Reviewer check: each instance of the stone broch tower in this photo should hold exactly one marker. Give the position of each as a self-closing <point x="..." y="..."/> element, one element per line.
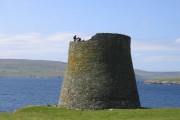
<point x="99" y="74"/>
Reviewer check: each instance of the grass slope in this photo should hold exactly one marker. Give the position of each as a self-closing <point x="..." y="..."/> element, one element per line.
<point x="48" y="113"/>
<point x="31" y="68"/>
<point x="145" y="75"/>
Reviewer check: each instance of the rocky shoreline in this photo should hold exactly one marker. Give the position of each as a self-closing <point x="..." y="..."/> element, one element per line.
<point x="162" y="82"/>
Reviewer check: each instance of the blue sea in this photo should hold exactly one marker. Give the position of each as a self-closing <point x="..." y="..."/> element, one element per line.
<point x="20" y="92"/>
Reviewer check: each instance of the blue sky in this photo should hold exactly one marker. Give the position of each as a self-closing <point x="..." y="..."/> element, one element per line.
<point x="42" y="29"/>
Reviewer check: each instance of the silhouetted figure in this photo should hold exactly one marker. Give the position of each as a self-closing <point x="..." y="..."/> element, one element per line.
<point x="78" y="39"/>
<point x="74" y="38"/>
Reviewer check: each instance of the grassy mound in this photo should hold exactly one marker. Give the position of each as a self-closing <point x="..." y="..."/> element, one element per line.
<point x="53" y="113"/>
<point x="31" y="68"/>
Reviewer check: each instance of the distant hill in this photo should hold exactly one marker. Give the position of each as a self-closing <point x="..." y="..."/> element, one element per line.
<point x="42" y="68"/>
<point x="31" y="68"/>
<point x="144" y="75"/>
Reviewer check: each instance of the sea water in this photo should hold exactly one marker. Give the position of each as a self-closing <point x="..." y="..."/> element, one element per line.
<point x="20" y="92"/>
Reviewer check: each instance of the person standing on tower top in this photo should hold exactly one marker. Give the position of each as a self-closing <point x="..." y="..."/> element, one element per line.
<point x="74" y="38"/>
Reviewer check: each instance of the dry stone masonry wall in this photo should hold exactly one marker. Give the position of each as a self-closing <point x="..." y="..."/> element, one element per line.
<point x="99" y="74"/>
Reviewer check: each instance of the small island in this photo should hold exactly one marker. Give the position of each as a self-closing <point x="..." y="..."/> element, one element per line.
<point x="168" y="81"/>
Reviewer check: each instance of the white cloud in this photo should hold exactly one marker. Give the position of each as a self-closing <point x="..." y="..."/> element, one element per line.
<point x="36" y="46"/>
<point x="177" y="40"/>
<point x="144" y="24"/>
<point x="137" y="55"/>
<point x="157" y="58"/>
<point x="153" y="46"/>
<point x="155" y="55"/>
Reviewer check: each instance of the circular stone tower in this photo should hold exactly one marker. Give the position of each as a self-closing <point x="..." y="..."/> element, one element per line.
<point x="99" y="74"/>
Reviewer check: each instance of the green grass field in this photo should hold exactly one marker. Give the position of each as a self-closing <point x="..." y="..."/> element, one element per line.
<point x="53" y="113"/>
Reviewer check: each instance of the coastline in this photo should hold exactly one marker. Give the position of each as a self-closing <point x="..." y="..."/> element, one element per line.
<point x="167" y="81"/>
